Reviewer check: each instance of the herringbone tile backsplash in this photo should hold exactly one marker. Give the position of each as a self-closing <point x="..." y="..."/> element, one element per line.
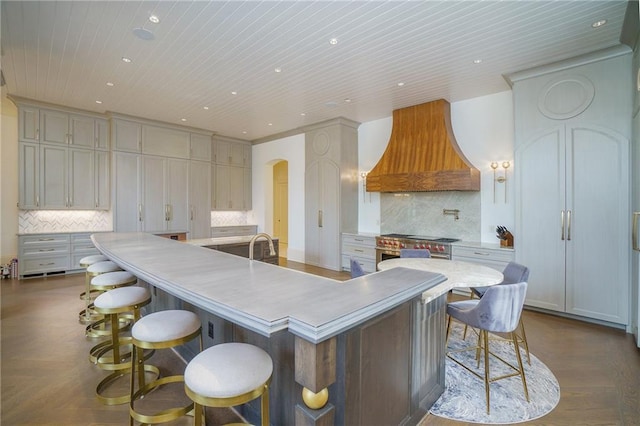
<point x="228" y="218"/>
<point x="44" y="221"/>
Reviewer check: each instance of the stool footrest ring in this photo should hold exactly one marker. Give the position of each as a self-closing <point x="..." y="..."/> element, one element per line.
<point x="111" y="378"/>
<point x="164" y="415"/>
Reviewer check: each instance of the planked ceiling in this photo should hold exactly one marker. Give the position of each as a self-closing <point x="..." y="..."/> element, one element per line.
<point x="65" y="52"/>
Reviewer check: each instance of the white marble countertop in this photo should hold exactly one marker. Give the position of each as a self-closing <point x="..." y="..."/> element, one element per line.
<point x="458" y="273"/>
<point x="259" y="296"/>
<point x="219" y="241"/>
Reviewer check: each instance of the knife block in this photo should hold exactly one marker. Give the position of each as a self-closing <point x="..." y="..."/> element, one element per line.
<point x="508" y="242"/>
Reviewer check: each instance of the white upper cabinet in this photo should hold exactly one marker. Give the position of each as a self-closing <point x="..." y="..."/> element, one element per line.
<point x="28" y="124"/>
<point x="200" y="147"/>
<point x="126" y="135"/>
<point x="54" y="127"/>
<point x="165" y="142"/>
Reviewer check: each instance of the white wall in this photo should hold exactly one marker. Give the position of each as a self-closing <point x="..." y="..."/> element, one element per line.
<point x="8" y="180"/>
<point x="484" y="130"/>
<point x="264" y="156"/>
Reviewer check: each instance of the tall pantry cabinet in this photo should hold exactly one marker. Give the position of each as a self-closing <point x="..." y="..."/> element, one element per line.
<point x="331" y="190"/>
<point x="573" y="127"/>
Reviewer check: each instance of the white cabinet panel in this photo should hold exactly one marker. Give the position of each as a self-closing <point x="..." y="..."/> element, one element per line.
<point x="53" y="177"/>
<point x="54" y="127"/>
<point x="28" y="124"/>
<point x="199" y="199"/>
<point x="177" y="194"/>
<point x="200" y="147"/>
<point x="126" y="181"/>
<point x="29" y="175"/>
<point x="126" y="135"/>
<point x="154" y="212"/>
<point x="101" y="134"/>
<point x="102" y="182"/>
<point x="81" y="179"/>
<point x="165" y="142"/>
<point x="82" y="131"/>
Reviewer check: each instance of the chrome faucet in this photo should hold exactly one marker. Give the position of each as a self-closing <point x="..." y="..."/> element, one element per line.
<point x="272" y="250"/>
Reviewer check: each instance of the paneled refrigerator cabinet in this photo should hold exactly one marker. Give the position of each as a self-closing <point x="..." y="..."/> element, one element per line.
<point x="572" y="186"/>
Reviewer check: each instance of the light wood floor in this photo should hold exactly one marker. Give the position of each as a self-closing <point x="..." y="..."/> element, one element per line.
<point x="48" y="380"/>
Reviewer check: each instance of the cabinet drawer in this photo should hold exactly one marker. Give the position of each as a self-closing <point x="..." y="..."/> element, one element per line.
<point x="495" y="255"/>
<point x="44" y="239"/>
<point x="75" y="257"/>
<point x="233" y="231"/>
<point x="44" y="264"/>
<point x="39" y="250"/>
<point x="359" y="240"/>
<point x="359" y="251"/>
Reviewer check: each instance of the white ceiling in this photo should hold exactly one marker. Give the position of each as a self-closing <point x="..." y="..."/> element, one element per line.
<point x="64" y="52"/>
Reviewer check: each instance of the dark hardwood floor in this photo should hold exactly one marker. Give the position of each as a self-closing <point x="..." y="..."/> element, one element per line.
<point x="48" y="380"/>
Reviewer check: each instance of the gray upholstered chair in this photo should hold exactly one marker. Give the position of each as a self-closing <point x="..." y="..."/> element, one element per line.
<point x="356" y="269"/>
<point x="513" y="273"/>
<point x="422" y="253"/>
<point x="498" y="311"/>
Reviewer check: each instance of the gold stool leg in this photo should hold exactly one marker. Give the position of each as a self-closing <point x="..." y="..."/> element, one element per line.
<point x="264" y="406"/>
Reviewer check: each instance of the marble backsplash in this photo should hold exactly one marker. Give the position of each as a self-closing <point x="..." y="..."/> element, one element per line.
<point x="232" y="218"/>
<point x="45" y="221"/>
<point x="421" y="213"/>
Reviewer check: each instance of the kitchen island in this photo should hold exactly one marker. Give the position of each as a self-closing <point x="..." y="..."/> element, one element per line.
<point x="370" y="342"/>
<point x="239" y="245"/>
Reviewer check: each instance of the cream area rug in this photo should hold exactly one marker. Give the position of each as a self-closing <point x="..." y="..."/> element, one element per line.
<point x="464" y="395"/>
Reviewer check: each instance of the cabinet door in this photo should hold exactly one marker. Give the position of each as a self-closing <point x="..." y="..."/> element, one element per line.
<point x="102" y="185"/>
<point x="539" y="245"/>
<point x="29" y="172"/>
<point x="82" y="131"/>
<point x="81" y="179"/>
<point x="236" y="188"/>
<point x="230" y="153"/>
<point x="247" y="188"/>
<point x="154" y="209"/>
<point x="165" y="142"/>
<point x="200" y="147"/>
<point x="53" y="177"/>
<point x="127" y="206"/>
<point x="101" y="135"/>
<point x="200" y="199"/>
<point x="322" y="228"/>
<point x="127" y="135"/>
<point x="222" y="196"/>
<point x="54" y="127"/>
<point x="29" y="124"/>
<point x="177" y="194"/>
<point x="598" y="199"/>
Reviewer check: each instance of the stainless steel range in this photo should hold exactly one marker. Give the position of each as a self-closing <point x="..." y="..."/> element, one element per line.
<point x="388" y="245"/>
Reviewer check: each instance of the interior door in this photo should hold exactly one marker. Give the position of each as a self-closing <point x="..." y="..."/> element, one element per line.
<point x="281" y="204"/>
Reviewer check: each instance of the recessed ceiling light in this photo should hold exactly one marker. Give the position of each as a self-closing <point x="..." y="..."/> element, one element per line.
<point x="205" y="107"/>
<point x="400" y="84"/>
<point x="278" y="69"/>
<point x="347" y="100"/>
<point x="234" y="93"/>
<point x="125" y="59"/>
<point x="303" y="114"/>
<point x="477" y="61"/>
<point x="333" y="41"/>
<point x="244" y="132"/>
<point x="110" y="84"/>
<point x="599" y="23"/>
<point x="154" y="19"/>
<point x="183" y="119"/>
<point x="98" y="102"/>
<point x="270" y="124"/>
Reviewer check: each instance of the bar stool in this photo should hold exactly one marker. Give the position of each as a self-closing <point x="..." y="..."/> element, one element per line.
<point x="112" y="304"/>
<point x="229" y="374"/>
<point x="105" y="282"/>
<point x="159" y="330"/>
<point x="93" y="270"/>
<point x="85" y="262"/>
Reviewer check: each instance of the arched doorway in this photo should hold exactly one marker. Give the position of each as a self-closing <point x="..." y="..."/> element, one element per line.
<point x="281" y="205"/>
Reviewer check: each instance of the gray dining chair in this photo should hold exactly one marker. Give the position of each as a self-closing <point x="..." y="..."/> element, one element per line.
<point x="356" y="269"/>
<point x="513" y="273"/>
<point x="418" y="253"/>
<point x="498" y="311"/>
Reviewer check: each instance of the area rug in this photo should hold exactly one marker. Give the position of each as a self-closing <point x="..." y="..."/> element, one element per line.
<point x="464" y="395"/>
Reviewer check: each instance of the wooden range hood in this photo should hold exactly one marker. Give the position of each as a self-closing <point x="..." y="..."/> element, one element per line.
<point x="422" y="154"/>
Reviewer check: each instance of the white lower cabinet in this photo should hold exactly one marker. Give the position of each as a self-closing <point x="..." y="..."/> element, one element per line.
<point x="361" y="248"/>
<point x="49" y="254"/>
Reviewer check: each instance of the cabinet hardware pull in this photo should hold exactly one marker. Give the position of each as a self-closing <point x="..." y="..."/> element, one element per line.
<point x="358" y="240"/>
<point x="191" y="212"/>
<point x="37" y="201"/>
<point x="319" y="218"/>
<point x="46" y="249"/>
<point x="634" y="229"/>
<point x="140" y="212"/>
<point x="562" y="225"/>
<point x="481" y="254"/>
<point x="45" y="239"/>
<point x="359" y="250"/>
<point x="37" y="134"/>
<point x="568" y="225"/>
<point x="47" y="264"/>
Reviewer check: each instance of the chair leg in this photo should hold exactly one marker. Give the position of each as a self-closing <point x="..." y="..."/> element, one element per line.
<point x="446" y="341"/>
<point x="264" y="409"/>
<point x="464" y="333"/>
<point x="514" y="337"/>
<point x="485" y="338"/>
<point x="197" y="414"/>
<point x="523" y="337"/>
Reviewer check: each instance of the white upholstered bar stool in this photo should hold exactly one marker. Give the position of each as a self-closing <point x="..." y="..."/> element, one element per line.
<point x="112" y="304"/>
<point x="227" y="375"/>
<point x="84" y="317"/>
<point x="92" y="271"/>
<point x="159" y="330"/>
<point x="102" y="283"/>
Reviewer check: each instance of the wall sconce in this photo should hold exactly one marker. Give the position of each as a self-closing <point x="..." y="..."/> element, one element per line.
<point x="500" y="179"/>
<point x="363" y="175"/>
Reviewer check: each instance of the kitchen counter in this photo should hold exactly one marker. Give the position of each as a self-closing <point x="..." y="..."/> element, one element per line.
<point x="312" y="326"/>
<point x="219" y="241"/>
<point x="481" y="245"/>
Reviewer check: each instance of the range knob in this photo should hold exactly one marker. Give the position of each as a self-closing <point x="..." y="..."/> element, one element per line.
<point x="441" y="248"/>
<point x="427" y="246"/>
